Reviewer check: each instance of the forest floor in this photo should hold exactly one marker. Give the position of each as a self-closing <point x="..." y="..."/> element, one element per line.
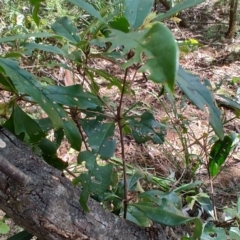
<point x="215" y="58"/>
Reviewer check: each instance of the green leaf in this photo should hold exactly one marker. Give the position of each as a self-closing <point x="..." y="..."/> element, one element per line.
<point x="133" y="180"/>
<point x="137" y="216"/>
<point x="201" y="96"/>
<point x="159" y="47"/>
<point x="185" y="4"/>
<point x="120" y="23"/>
<point x="136" y="11"/>
<point x="162" y="55"/>
<point x="167" y="214"/>
<point x="234" y="232"/>
<point x="4" y="228"/>
<point x="219" y="152"/>
<point x="88" y="8"/>
<point x="210" y="232"/>
<point x="49" y="154"/>
<point x="157" y="197"/>
<point x="24" y="124"/>
<point x="26" y="36"/>
<point x="36" y="6"/>
<point x="24" y="235"/>
<point x="187" y="186"/>
<point x="227" y="101"/>
<point x="73" y="96"/>
<point x="100" y="137"/>
<point x="64" y="28"/>
<point x="27" y="83"/>
<point x="46" y="48"/>
<point x="145" y="128"/>
<point x="45" y="124"/>
<point x="7" y="83"/>
<point x="97" y="180"/>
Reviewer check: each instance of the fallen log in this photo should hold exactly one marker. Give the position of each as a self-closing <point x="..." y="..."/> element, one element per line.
<point x="44" y="202"/>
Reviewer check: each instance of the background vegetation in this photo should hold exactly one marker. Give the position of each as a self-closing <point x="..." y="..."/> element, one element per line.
<point x="96" y="89"/>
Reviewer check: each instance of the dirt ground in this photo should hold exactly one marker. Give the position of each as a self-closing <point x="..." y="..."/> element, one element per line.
<point x="215" y="58"/>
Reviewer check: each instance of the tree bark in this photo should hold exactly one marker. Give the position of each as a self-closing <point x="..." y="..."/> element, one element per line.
<point x="232" y="18"/>
<point x="44" y="202"/>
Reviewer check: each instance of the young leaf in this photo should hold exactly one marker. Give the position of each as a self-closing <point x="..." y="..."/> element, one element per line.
<point x="201" y="96"/>
<point x="159" y="47"/>
<point x="136" y="11"/>
<point x="27" y="83"/>
<point x="64" y="28"/>
<point x="219" y="152"/>
<point x="145" y="128"/>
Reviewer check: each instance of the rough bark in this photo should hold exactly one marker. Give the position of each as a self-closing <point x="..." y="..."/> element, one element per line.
<point x="43" y="201"/>
<point x="232" y="18"/>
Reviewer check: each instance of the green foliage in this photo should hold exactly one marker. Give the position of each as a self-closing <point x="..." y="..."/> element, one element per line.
<point x="24" y="235"/>
<point x="131" y="37"/>
<point x="219" y="152"/>
<point x="4" y="228"/>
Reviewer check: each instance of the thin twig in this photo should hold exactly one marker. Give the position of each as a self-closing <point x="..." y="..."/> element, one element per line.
<point x="119" y="122"/>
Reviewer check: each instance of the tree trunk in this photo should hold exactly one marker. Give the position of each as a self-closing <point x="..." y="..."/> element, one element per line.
<point x="232" y="18"/>
<point x="44" y="202"/>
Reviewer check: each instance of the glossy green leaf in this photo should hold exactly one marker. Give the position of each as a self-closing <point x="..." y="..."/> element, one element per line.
<point x="45" y="124"/>
<point x="7" y="83"/>
<point x="97" y="180"/>
<point x="24" y="124"/>
<point x="26" y="36"/>
<point x="146" y="128"/>
<point x="47" y="48"/>
<point x="133" y="180"/>
<point x="201" y="96"/>
<point x="13" y="55"/>
<point x="64" y="28"/>
<point x="219" y="152"/>
<point x="136" y="11"/>
<point x="100" y="137"/>
<point x="162" y="61"/>
<point x="28" y="84"/>
<point x="24" y="235"/>
<point x="182" y="5"/>
<point x="166" y="214"/>
<point x="137" y="216"/>
<point x="88" y="8"/>
<point x="72" y="96"/>
<point x="4" y="228"/>
<point x="120" y="23"/>
<point x="36" y="6"/>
